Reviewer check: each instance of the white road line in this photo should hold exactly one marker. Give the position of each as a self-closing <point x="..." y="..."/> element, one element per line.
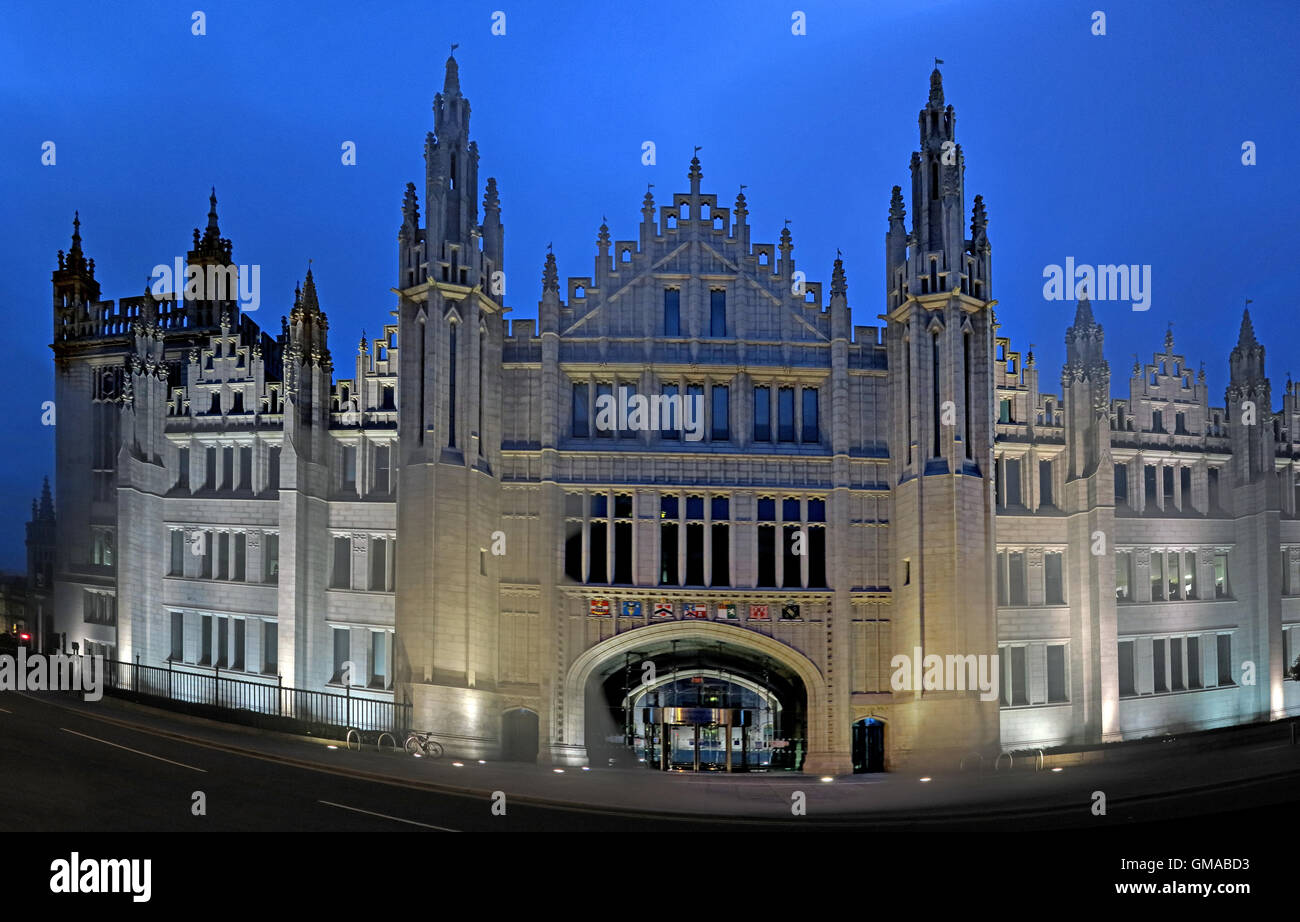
<point x="136" y="751"/>
<point x="2" y="710"/>
<point x="385" y="816"/>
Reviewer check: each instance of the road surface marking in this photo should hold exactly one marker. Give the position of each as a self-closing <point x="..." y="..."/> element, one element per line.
<point x="136" y="751"/>
<point x="385" y="816"/>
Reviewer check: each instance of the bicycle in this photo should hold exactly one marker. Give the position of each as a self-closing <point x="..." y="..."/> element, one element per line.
<point x="418" y="743"/>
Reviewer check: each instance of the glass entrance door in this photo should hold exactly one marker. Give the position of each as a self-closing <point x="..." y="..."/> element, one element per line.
<point x="682" y="751"/>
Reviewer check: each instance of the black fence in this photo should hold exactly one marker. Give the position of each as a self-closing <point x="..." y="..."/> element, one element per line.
<point x="265" y="703"/>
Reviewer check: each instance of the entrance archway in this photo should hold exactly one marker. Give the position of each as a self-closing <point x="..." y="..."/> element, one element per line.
<point x="519" y="735"/>
<point x="868" y="745"/>
<point x="603" y="716"/>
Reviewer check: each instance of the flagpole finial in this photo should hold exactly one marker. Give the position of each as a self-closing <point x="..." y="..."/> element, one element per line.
<point x="937" y="62"/>
<point x="454" y="46"/>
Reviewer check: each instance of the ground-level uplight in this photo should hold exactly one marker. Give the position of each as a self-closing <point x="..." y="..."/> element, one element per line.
<point x="558" y="771"/>
<point x="586" y="768"/>
<point x="827" y="778"/>
<point x="925" y="779"/>
<point x="331" y="746"/>
<point x="458" y="764"/>
<point x="1058" y="769"/>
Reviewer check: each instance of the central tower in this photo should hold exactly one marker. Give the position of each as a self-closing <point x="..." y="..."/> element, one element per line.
<point x="940" y="341"/>
<point x="450" y="316"/>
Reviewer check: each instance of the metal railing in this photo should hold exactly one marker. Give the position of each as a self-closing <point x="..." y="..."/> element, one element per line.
<point x="259" y="701"/>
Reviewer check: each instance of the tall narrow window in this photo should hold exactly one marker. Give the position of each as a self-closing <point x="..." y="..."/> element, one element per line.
<point x="382" y="455"/>
<point x="183" y="468"/>
<point x="767" y="549"/>
<point x="1224" y="650"/>
<point x="178" y="635"/>
<point x="1157" y="576"/>
<point x="1159" y="681"/>
<point x="246" y="467"/>
<point x="622" y="538"/>
<point x="451" y="385"/>
<point x="176" y="566"/>
<point x="907" y="392"/>
<point x="1176" y="664"/>
<point x="966" y="393"/>
<point x="223" y="642"/>
<point x="379" y="565"/>
<point x="1127" y="686"/>
<point x="762" y="414"/>
<point x="1121" y="484"/>
<point x="350" y="468"/>
<point x="785" y="414"/>
<point x="1016" y="575"/>
<point x="1056" y="673"/>
<point x="1019" y="685"/>
<point x="598" y="546"/>
<point x="606" y="420"/>
<point x="1123" y="576"/>
<point x="694" y="541"/>
<point x="720" y="541"/>
<point x="1221" y="587"/>
<point x="811" y="430"/>
<point x="1194" y="679"/>
<point x="1013" y="497"/>
<point x="378" y="659"/>
<point x="205" y="642"/>
<point x="1054" y="587"/>
<point x="626" y="394"/>
<point x="241" y="545"/>
<point x="423" y="384"/>
<point x="717" y="312"/>
<point x="271" y="561"/>
<point x="1189" y="574"/>
<point x="721" y="428"/>
<point x="670" y="415"/>
<point x="668" y="531"/>
<point x="228" y="467"/>
<point x="237" y="651"/>
<point x="934" y="387"/>
<point x="342" y="652"/>
<point x="672" y="312"/>
<point x="1045" y="483"/>
<point x="342" y="563"/>
<point x="580" y="430"/>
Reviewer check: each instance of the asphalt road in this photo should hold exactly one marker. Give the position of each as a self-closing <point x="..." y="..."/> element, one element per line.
<point x="82" y="769"/>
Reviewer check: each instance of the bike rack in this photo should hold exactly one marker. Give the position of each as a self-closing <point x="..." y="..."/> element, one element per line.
<point x="1010" y="760"/>
<point x="379" y="745"/>
<point x="962" y="764"/>
<point x="1038" y="765"/>
<point x="352" y="730"/>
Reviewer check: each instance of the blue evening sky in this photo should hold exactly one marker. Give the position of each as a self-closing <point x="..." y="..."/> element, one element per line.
<point x="1123" y="148"/>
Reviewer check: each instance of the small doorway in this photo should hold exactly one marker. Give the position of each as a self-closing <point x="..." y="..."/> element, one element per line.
<point x="868" y="745"/>
<point x="519" y="736"/>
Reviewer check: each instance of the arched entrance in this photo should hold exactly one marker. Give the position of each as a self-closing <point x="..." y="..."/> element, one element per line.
<point x="869" y="745"/>
<point x="519" y="735"/>
<point x="688" y="696"/>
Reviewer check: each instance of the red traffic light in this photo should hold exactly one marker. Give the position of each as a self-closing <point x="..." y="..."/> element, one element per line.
<point x="24" y="637"/>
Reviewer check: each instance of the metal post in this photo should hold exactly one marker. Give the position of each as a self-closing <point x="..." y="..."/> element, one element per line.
<point x="135" y="679"/>
<point x="216" y="686"/>
<point x="170" y="693"/>
<point x="727" y="727"/>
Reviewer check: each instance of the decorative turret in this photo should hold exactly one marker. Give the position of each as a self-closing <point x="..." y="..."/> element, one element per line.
<point x="1249" y="407"/>
<point x="494" y="232"/>
<point x="74" y="282"/>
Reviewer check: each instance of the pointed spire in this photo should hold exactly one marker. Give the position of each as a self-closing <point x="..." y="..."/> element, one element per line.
<point x="213" y="229"/>
<point x="897" y="211"/>
<point x="550" y="275"/>
<point x="1246" y="337"/>
<point x="309" y="302"/>
<point x="936" y="85"/>
<point x="695" y="174"/>
<point x="47" y="502"/>
<point x="742" y="209"/>
<point x="602" y="238"/>
<point x="839" y="285"/>
<point x="1083" y="313"/>
<point x="786" y="244"/>
<point x="1169" y="339"/>
<point x="451" y="82"/>
<point x="491" y="198"/>
<point x="76" y="259"/>
<point x="979" y="219"/>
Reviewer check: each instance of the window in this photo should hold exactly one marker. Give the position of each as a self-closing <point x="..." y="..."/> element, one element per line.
<point x="223" y="555"/>
<point x="1224" y="644"/>
<point x="379" y="565"/>
<point x="671" y="418"/>
<point x="228" y="467"/>
<point x="273" y="469"/>
<point x="246" y="467"/>
<point x="342" y="577"/>
<point x="1194" y="662"/>
<point x="178" y="637"/>
<point x="810" y="427"/>
<point x="1004" y="410"/>
<point x="223" y="642"/>
<point x="270" y="647"/>
<point x="1157" y="419"/>
<point x="1013" y="497"/>
<point x="342" y="654"/>
<point x="1157" y="576"/>
<point x="1016" y="576"/>
<point x="1124" y="576"/>
<point x="721" y="429"/>
<point x="672" y="312"/>
<point x="350" y="468"/>
<point x="1121" y="484"/>
<point x="1173" y="562"/>
<point x="1221" y="588"/>
<point x="383" y="455"/>
<point x="1019" y="686"/>
<point x="626" y="396"/>
<point x="1126" y="684"/>
<point x="720" y="513"/>
<point x="271" y="560"/>
<point x="378" y="659"/>
<point x="451" y="385"/>
<point x="241" y="545"/>
<point x="1159" y="682"/>
<point x="767" y="549"/>
<point x="176" y="560"/>
<point x="580" y="430"/>
<point x="1176" y="664"/>
<point x="694" y="541"/>
<point x="1056" y="674"/>
<point x="1185" y="482"/>
<point x="762" y="414"/>
<point x="183" y="468"/>
<point x="604" y="398"/>
<point x="668" y="532"/>
<point x="237" y="658"/>
<point x="205" y="645"/>
<point x="785" y="412"/>
<point x="1052" y="576"/>
<point x="210" y="468"/>
<point x="717" y="312"/>
<point x="1189" y="575"/>
<point x="623" y="538"/>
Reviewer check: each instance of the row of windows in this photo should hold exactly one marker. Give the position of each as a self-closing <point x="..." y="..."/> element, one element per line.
<point x="1159" y="665"/>
<point x="695" y="550"/>
<point x="1010" y="489"/>
<point x="222" y="641"/>
<point x="221" y="555"/>
<point x="229" y="468"/>
<point x="1033" y="673"/>
<point x="1013" y="578"/>
<point x="375" y="672"/>
<point x="619" y="413"/>
<point x="672" y="319"/>
<point x="98" y="607"/>
<point x="1173" y="576"/>
<point x="1158" y="487"/>
<point x="380" y="570"/>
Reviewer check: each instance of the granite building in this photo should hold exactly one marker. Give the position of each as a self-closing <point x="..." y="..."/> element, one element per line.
<point x="480" y="520"/>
